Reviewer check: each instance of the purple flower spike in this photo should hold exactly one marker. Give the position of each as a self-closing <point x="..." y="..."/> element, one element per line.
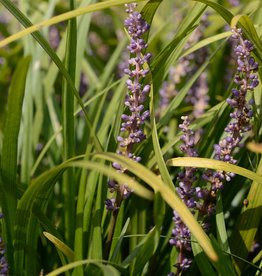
<point x="246" y="80"/>
<point x="136" y="96"/>
<point x="185" y="190"/>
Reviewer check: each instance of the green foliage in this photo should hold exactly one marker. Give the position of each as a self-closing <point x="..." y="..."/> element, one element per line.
<point x="62" y="97"/>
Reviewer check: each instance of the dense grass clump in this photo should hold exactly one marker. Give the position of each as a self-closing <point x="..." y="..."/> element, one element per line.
<point x="130" y="137"/>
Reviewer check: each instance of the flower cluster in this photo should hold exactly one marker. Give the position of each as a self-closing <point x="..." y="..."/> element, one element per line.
<point x="204" y="199"/>
<point x="3" y="263"/>
<point x="239" y="125"/>
<point x="185" y="190"/>
<point x="136" y="96"/>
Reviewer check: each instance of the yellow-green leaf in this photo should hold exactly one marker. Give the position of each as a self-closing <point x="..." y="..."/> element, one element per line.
<point x="255" y="147"/>
<point x="171" y="197"/>
<point x="60" y="245"/>
<point x="64" y="17"/>
<point x="213" y="164"/>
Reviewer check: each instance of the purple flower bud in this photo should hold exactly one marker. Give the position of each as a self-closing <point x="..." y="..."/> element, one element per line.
<point x="125" y="117"/>
<point x="251" y="102"/>
<point x="120" y="139"/>
<point x="227" y="158"/>
<point x="111" y="184"/>
<point x="138" y="159"/>
<point x="110" y="204"/>
<point x="116" y="165"/>
<point x="146" y="89"/>
<point x="140" y="107"/>
<point x="250" y="114"/>
<point x="235" y="92"/>
<point x="145" y="115"/>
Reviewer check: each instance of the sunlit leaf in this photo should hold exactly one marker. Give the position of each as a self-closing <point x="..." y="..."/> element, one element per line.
<point x="60" y="245"/>
<point x="213" y="164"/>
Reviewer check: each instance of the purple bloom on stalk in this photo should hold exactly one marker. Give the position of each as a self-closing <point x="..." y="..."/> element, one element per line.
<point x="185" y="190"/>
<point x="3" y="263"/>
<point x="136" y="96"/>
<point x="239" y="125"/>
<point x="242" y="114"/>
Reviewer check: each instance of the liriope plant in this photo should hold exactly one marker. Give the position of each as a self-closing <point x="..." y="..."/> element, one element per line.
<point x="73" y="129"/>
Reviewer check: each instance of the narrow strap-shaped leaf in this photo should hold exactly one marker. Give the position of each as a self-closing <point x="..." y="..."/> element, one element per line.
<point x="222" y="233"/>
<point x="12" y="126"/>
<point x="220" y="225"/>
<point x="60" y="245"/>
<point x="65" y="268"/>
<point x="9" y="149"/>
<point x="223" y="267"/>
<point x="83" y="25"/>
<point x="201" y="259"/>
<point x="68" y="125"/>
<point x="49" y="227"/>
<point x="163" y="61"/>
<point x="39" y="190"/>
<point x="59" y="18"/>
<point x="255" y="147"/>
<point x="172" y="199"/>
<point x="244" y="234"/>
<point x="148" y="13"/>
<point x="245" y="24"/>
<point x="44" y="44"/>
<point x="119" y="242"/>
<point x="159" y="157"/>
<point x="96" y="243"/>
<point x="213" y="164"/>
<point x="205" y="42"/>
<point x="147" y="250"/>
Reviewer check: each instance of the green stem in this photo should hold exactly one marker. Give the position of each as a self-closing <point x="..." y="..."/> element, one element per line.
<point x="69" y="130"/>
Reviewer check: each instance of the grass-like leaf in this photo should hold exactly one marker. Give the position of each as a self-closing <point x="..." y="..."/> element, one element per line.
<point x="44" y="44"/>
<point x="213" y="164"/>
<point x="109" y="271"/>
<point x="9" y="150"/>
<point x="164" y="60"/>
<point x="201" y="260"/>
<point x="68" y="126"/>
<point x="245" y="23"/>
<point x="251" y="215"/>
<point x="172" y="199"/>
<point x="61" y="17"/>
<point x="39" y="191"/>
<point x="255" y="147"/>
<point x="60" y="245"/>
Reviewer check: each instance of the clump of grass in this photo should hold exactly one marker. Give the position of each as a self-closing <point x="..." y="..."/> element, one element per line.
<point x="65" y="101"/>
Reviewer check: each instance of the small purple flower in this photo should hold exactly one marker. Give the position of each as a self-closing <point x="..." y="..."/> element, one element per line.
<point x="110" y="204"/>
